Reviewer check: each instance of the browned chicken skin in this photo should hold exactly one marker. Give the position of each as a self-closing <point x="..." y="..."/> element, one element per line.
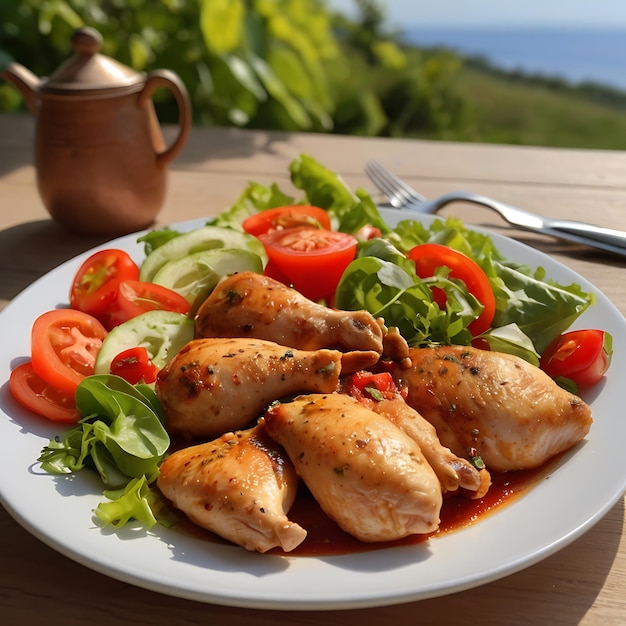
<point x="216" y="385"/>
<point x="496" y="405"/>
<point x="455" y="474"/>
<point x="253" y="305"/>
<point x="379" y="468"/>
<point x="365" y="473"/>
<point x="240" y="486"/>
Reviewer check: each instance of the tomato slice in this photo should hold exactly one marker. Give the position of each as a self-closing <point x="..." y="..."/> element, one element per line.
<point x="273" y="272"/>
<point x="64" y="345"/>
<point x="34" y="393"/>
<point x="281" y="218"/>
<point x="134" y="366"/>
<point x="90" y="291"/>
<point x="312" y="259"/>
<point x="583" y="356"/>
<point x="375" y="386"/>
<point x="429" y="256"/>
<point x="134" y="297"/>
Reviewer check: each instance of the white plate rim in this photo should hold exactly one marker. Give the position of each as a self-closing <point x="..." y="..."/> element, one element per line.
<point x="173" y="563"/>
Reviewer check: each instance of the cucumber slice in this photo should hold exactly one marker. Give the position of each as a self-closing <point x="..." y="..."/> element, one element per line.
<point x="194" y="276"/>
<point x="161" y="333"/>
<point x="205" y="238"/>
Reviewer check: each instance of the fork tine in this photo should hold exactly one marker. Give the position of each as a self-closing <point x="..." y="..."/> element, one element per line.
<point x="398" y="192"/>
<point x="383" y="184"/>
<point x="395" y="184"/>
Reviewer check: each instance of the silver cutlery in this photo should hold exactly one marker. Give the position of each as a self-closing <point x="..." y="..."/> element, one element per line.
<point x="401" y="195"/>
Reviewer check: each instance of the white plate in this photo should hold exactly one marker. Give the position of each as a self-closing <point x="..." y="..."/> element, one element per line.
<point x="59" y="510"/>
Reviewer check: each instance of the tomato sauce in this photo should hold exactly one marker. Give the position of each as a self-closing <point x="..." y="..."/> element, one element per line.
<point x="325" y="538"/>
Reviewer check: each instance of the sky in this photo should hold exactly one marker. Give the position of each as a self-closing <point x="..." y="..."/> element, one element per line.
<point x="402" y="13"/>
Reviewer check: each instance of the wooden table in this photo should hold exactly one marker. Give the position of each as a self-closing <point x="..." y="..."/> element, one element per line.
<point x="584" y="583"/>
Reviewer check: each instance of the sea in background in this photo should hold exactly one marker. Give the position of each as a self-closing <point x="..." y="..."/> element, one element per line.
<point x="572" y="54"/>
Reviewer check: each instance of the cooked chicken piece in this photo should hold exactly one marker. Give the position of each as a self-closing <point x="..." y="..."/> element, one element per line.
<point x="494" y="405"/>
<point x="216" y="385"/>
<point x="240" y="486"/>
<point x="252" y="305"/>
<point x="365" y="473"/>
<point x="455" y="474"/>
<point x="395" y="347"/>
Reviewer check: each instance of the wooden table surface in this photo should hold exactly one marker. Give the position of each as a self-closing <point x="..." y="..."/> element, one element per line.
<point x="585" y="583"/>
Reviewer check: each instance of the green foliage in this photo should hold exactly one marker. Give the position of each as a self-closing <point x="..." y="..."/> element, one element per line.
<point x="393" y="90"/>
<point x="294" y="65"/>
<point x="277" y="64"/>
<point x="540" y="111"/>
<point x="250" y="63"/>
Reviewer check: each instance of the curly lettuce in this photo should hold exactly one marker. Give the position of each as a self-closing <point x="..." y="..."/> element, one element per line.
<point x="349" y="211"/>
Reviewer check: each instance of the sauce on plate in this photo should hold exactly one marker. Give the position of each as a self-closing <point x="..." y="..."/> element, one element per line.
<point x="325" y="538"/>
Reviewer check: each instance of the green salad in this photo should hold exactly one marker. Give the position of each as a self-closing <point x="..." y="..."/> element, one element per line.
<point x="121" y="435"/>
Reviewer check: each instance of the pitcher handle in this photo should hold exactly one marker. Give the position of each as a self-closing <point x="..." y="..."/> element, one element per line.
<point x="169" y="80"/>
<point x="24" y="81"/>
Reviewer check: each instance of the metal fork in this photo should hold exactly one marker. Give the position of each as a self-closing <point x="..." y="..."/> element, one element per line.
<point x="402" y="196"/>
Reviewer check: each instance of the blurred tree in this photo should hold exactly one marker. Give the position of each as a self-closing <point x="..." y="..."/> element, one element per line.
<point x="241" y="60"/>
<point x="283" y="64"/>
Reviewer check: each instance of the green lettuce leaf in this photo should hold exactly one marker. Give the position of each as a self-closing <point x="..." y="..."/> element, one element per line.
<point x="254" y="198"/>
<point x="542" y="309"/>
<point x="537" y="308"/>
<point x="121" y="434"/>
<point x="512" y="340"/>
<point x="137" y="501"/>
<point x="156" y="238"/>
<point x="325" y="189"/>
<point x="320" y="187"/>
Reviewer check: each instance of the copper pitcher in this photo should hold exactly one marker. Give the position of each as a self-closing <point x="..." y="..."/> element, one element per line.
<point x="100" y="157"/>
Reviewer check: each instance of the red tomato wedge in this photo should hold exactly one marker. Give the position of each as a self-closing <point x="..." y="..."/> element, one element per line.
<point x="35" y="394"/>
<point x="281" y="218"/>
<point x="377" y="386"/>
<point x="134" y="366"/>
<point x="312" y="259"/>
<point x="429" y="256"/>
<point x="583" y="356"/>
<point x="134" y="297"/>
<point x="64" y="345"/>
<point x="273" y="272"/>
<point x="91" y="288"/>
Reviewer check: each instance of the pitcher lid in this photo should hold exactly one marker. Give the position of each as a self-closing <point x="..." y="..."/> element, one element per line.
<point x="88" y="70"/>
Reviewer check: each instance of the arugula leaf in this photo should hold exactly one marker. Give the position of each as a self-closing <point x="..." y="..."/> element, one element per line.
<point x="541" y="309"/>
<point x="405" y="301"/>
<point x="386" y="250"/>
